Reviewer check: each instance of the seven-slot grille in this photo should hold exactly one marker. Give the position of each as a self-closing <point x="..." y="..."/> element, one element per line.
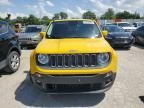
<point x="72" y="61"/>
<point x="25" y="39"/>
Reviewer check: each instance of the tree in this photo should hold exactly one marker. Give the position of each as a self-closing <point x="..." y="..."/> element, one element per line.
<point x="25" y="21"/>
<point x="136" y="15"/>
<point x="19" y="19"/>
<point x="56" y="16"/>
<point x="63" y="15"/>
<point x="1" y="18"/>
<point x="89" y="15"/>
<point x="127" y="15"/>
<point x="33" y="20"/>
<point x="109" y="14"/>
<point x="45" y="20"/>
<point x="123" y="15"/>
<point x="8" y="18"/>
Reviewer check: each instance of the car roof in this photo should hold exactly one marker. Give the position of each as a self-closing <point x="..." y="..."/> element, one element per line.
<point x="139" y="22"/>
<point x="110" y="26"/>
<point x="35" y="26"/>
<point x="72" y="20"/>
<point x="121" y="22"/>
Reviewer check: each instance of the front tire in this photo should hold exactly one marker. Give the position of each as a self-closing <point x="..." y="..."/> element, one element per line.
<point x="13" y="62"/>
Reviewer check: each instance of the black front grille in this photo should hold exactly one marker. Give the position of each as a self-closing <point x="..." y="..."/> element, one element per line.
<point x="25" y="39"/>
<point x="71" y="61"/>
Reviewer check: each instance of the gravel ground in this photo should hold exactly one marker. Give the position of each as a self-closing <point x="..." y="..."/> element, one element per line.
<point x="17" y="92"/>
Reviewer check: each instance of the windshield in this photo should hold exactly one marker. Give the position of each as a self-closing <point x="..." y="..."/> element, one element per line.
<point x="33" y="29"/>
<point x="73" y="29"/>
<point x="114" y="29"/>
<point x="124" y="24"/>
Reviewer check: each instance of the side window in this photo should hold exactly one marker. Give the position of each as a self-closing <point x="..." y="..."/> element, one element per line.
<point x="3" y="27"/>
<point x="50" y="30"/>
<point x="11" y="29"/>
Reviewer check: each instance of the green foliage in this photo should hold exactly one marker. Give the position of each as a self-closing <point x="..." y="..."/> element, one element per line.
<point x="8" y="17"/>
<point x="33" y="20"/>
<point x="1" y="18"/>
<point x="109" y="14"/>
<point x="63" y="15"/>
<point x="127" y="15"/>
<point x="45" y="20"/>
<point x="89" y="15"/>
<point x="24" y="21"/>
<point x="56" y="16"/>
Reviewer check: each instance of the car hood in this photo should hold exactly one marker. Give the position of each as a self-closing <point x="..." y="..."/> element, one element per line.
<point x="28" y="35"/>
<point x="68" y="46"/>
<point x="119" y="34"/>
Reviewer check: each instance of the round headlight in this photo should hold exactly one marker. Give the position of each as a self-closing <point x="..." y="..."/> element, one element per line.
<point x="103" y="58"/>
<point x="43" y="59"/>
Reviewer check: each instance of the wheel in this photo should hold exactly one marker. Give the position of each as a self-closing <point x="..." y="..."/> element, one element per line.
<point x="13" y="62"/>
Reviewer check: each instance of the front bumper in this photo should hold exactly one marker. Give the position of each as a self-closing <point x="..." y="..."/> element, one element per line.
<point x="28" y="43"/>
<point x="121" y="43"/>
<point x="74" y="83"/>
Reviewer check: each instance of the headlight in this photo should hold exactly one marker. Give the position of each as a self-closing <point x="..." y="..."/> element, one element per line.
<point x="36" y="36"/>
<point x="103" y="59"/>
<point x="43" y="59"/>
<point x="131" y="37"/>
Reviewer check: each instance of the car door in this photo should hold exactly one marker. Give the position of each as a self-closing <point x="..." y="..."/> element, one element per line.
<point x="140" y="32"/>
<point x="3" y="40"/>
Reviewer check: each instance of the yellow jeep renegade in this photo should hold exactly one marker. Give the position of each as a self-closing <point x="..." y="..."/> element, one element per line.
<point x="73" y="56"/>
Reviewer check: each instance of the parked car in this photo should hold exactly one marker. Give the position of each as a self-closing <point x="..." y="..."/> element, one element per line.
<point x="138" y="24"/>
<point x="139" y="35"/>
<point x="30" y="38"/>
<point x="117" y="37"/>
<point x="126" y="26"/>
<point x="9" y="49"/>
<point x="73" y="56"/>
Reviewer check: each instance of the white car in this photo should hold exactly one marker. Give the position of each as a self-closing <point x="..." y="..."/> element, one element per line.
<point x="126" y="26"/>
<point x="138" y="24"/>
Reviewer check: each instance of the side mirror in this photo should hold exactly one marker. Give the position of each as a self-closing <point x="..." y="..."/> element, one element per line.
<point x="42" y="34"/>
<point x="104" y="33"/>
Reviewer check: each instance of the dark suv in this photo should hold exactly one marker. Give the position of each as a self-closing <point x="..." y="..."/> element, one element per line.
<point x="9" y="49"/>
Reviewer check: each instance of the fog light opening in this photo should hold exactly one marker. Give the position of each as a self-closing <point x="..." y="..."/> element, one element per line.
<point x="38" y="75"/>
<point x="108" y="74"/>
<point x="39" y="82"/>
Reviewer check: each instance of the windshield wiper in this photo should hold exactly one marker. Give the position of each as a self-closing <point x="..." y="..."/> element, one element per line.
<point x="54" y="37"/>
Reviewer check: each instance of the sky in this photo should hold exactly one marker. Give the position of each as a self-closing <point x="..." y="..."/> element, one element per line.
<point x="74" y="8"/>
